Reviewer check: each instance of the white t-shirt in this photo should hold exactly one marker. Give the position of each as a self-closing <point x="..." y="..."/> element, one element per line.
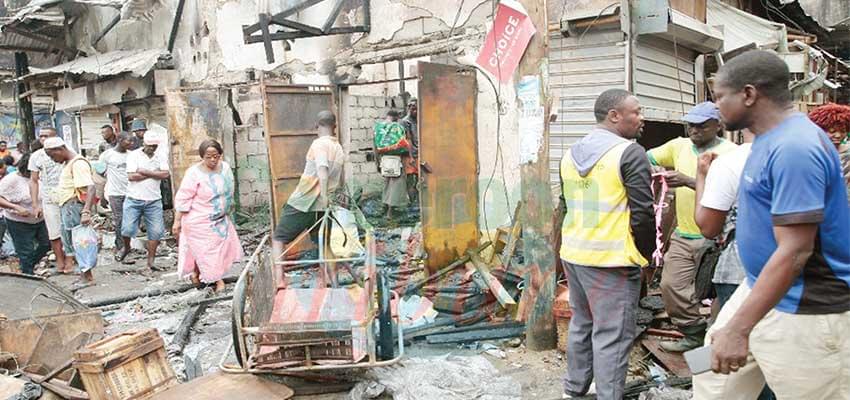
<point x="147" y="189"/>
<point x="324" y="152"/>
<point x="48" y="175"/>
<point x="721" y="183"/>
<point x="116" y="172"/>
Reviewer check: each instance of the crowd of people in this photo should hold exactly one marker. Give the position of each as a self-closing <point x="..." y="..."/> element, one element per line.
<point x="46" y="194"/>
<point x="775" y="206"/>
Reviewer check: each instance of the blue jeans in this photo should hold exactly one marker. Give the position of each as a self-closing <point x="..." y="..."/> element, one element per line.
<point x="151" y="211"/>
<point x="71" y="213"/>
<point x="31" y="243"/>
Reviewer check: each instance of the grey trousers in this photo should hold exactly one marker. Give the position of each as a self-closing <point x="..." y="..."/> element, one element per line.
<point x="116" y="204"/>
<point x="604" y="303"/>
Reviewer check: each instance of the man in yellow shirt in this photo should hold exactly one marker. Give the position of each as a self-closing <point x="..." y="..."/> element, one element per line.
<point x="75" y="196"/>
<point x="686" y="243"/>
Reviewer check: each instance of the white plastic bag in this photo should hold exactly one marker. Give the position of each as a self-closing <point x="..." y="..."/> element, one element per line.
<point x="84" y="240"/>
<point x="345" y="240"/>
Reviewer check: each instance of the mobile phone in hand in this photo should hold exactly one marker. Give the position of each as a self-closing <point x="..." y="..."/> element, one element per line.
<point x="699" y="359"/>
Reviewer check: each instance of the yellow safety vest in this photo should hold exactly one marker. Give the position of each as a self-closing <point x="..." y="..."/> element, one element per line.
<point x="596" y="230"/>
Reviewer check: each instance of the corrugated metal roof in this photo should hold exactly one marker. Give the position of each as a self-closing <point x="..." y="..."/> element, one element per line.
<point x="136" y="62"/>
<point x="741" y="28"/>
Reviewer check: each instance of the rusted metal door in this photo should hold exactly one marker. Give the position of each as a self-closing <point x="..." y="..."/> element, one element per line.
<point x="195" y="115"/>
<point x="290" y="123"/>
<point x="448" y="145"/>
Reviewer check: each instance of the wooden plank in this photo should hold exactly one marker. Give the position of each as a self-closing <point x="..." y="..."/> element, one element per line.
<point x="413" y="287"/>
<point x="219" y="385"/>
<point x="448" y="144"/>
<point x="62" y="388"/>
<point x="502" y="296"/>
<point x="513" y="240"/>
<point x="674" y="362"/>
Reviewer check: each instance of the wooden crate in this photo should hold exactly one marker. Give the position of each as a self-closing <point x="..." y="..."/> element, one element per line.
<point x="129" y="366"/>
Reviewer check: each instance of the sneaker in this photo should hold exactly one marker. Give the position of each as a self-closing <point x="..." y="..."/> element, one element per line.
<point x="694" y="338"/>
<point x="590" y="390"/>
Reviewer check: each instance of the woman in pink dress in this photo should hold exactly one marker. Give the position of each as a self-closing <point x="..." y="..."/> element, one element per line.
<point x="208" y="244"/>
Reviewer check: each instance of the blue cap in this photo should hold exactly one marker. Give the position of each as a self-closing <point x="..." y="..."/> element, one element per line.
<point x="702" y="112"/>
<point x="138" y="125"/>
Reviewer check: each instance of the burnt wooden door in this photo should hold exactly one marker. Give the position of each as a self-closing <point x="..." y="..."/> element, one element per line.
<point x="290" y="125"/>
<point x="448" y="144"/>
<point x="195" y="115"/>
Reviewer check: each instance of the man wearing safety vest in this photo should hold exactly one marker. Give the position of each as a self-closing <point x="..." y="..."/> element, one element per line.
<point x="687" y="243"/>
<point x="607" y="236"/>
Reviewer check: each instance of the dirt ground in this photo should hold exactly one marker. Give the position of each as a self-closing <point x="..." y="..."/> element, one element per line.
<point x="538" y="373"/>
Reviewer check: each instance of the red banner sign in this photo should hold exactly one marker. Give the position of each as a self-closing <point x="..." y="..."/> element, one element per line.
<point x="506" y="42"/>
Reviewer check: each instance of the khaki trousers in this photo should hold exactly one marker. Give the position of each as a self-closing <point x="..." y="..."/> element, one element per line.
<point x="799" y="356"/>
<point x="677" y="280"/>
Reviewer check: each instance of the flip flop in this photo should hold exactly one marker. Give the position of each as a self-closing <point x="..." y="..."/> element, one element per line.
<point x="159" y="269"/>
<point x="79" y="285"/>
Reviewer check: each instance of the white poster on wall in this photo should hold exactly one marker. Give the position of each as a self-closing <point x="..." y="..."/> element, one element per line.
<point x="531" y="119"/>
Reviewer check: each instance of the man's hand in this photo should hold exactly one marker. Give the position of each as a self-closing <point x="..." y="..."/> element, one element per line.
<point x="729" y="349"/>
<point x="677" y="179"/>
<point x="37" y="211"/>
<point x="85" y="218"/>
<point x="23" y="212"/>
<point x="704" y="162"/>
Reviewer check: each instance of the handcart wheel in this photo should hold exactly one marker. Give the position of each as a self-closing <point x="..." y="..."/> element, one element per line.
<point x="239" y="300"/>
<point x="386" y="346"/>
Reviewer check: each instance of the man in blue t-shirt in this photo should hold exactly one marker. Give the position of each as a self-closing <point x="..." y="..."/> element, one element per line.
<point x="792" y="315"/>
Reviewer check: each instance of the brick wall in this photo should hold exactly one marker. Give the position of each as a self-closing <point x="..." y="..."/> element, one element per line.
<point x="362" y="113"/>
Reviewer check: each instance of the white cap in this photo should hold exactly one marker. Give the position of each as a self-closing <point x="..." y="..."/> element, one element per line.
<point x="152" y="138"/>
<point x="53" y="143"/>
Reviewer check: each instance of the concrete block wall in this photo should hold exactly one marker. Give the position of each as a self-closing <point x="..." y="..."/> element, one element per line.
<point x="252" y="154"/>
<point x="362" y="113"/>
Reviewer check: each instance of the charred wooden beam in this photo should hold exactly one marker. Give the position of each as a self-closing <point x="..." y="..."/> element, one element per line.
<point x="106" y="29"/>
<point x="312" y="30"/>
<point x="332" y="17"/>
<point x="300" y="35"/>
<point x="24" y="103"/>
<point x="175" y="26"/>
<point x="266" y="38"/>
<point x="282" y="15"/>
<point x="485" y="333"/>
<point x="150" y="293"/>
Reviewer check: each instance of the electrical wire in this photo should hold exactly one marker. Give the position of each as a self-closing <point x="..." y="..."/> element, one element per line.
<point x="599" y="15"/>
<point x="770" y="7"/>
<point x="457" y="17"/>
<point x="497" y="89"/>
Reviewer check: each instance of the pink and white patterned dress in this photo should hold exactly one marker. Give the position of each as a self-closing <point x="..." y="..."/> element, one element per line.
<point x="207" y="234"/>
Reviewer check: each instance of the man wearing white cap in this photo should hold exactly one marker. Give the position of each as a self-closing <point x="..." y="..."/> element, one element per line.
<point x="44" y="179"/>
<point x="75" y="197"/>
<point x="145" y="171"/>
